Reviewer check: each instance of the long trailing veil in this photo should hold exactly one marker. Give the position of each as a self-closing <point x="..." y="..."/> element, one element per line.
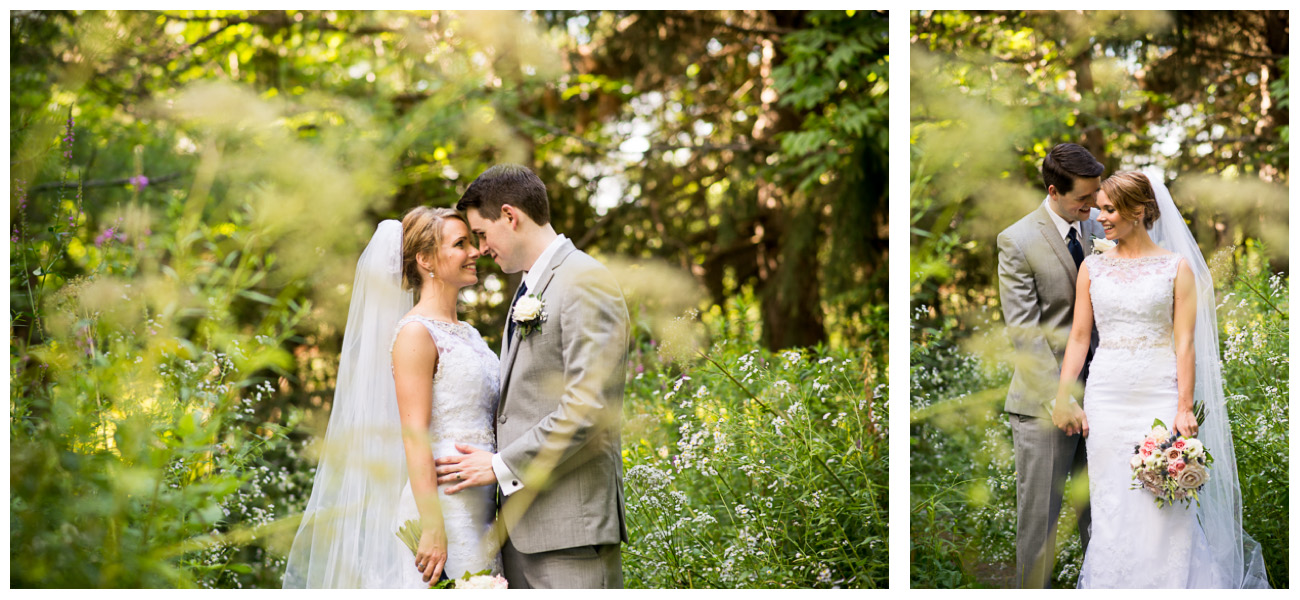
<point x="1236" y="553"/>
<point x="346" y="537"/>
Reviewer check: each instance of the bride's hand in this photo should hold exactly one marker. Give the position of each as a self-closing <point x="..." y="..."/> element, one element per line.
<point x="431" y="555"/>
<point x="1065" y="415"/>
<point x="1185" y="423"/>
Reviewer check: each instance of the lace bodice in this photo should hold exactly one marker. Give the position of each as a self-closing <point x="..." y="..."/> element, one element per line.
<point x="1133" y="300"/>
<point x="466" y="384"/>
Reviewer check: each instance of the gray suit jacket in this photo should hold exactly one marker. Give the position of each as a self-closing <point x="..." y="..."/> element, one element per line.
<point x="561" y="408"/>
<point x="1036" y="283"/>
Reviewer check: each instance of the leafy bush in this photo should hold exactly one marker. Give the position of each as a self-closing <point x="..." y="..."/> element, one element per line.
<point x="752" y="469"/>
<point x="149" y="353"/>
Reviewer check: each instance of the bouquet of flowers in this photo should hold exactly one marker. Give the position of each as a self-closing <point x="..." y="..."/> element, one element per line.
<point x="410" y="532"/>
<point x="1172" y="467"/>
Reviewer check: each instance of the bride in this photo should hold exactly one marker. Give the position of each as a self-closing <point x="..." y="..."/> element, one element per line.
<point x="1152" y="300"/>
<point x="412" y="382"/>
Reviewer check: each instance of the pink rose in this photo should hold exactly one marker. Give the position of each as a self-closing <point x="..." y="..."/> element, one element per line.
<point x="1180" y="444"/>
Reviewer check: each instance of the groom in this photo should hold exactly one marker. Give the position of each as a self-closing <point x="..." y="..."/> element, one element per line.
<point x="559" y="462"/>
<point x="1038" y="266"/>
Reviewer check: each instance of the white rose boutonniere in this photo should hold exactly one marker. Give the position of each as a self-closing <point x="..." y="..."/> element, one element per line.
<point x="1100" y="245"/>
<point x="528" y="314"/>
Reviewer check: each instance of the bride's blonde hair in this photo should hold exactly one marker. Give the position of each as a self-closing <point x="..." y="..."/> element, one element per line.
<point x="1130" y="191"/>
<point x="422" y="234"/>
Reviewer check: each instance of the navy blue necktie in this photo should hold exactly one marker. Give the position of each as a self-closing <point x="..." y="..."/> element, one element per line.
<point x="510" y="329"/>
<point x="1075" y="249"/>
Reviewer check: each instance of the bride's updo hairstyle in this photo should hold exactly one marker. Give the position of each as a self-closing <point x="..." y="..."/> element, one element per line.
<point x="1130" y="191"/>
<point x="422" y="234"/>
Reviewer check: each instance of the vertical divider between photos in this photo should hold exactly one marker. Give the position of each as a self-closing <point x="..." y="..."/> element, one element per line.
<point x="899" y="303"/>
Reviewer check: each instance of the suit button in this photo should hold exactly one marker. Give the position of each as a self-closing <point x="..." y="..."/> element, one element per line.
<point x="502" y="419"/>
<point x="515" y="483"/>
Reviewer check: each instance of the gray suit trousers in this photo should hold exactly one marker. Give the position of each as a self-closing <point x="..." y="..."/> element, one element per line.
<point x="583" y="567"/>
<point x="1044" y="457"/>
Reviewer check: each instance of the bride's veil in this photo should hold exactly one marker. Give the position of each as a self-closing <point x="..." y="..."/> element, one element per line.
<point x="346" y="536"/>
<point x="1234" y="551"/>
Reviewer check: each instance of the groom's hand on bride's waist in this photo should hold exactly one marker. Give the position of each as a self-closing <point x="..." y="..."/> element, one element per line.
<point x="471" y="468"/>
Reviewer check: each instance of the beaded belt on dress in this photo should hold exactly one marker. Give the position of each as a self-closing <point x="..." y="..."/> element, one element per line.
<point x="1141" y="342"/>
<point x="468" y="436"/>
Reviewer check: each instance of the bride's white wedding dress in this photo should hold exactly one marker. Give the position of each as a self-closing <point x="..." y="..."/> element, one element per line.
<point x="1133" y="380"/>
<point x="347" y="537"/>
<point x="465" y="390"/>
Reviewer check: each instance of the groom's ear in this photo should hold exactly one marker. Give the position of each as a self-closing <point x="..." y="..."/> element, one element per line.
<point x="511" y="215"/>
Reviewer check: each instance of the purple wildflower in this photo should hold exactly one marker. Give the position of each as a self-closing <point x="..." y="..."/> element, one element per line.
<point x="110" y="235"/>
<point x="139" y="182"/>
<point x="85" y="342"/>
<point x="69" y="136"/>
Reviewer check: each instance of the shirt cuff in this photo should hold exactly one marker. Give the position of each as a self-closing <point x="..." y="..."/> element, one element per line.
<point x="506" y="479"/>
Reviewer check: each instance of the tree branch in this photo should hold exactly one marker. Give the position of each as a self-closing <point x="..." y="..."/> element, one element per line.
<point x="695" y="16"/>
<point x="58" y="185"/>
<point x="558" y="132"/>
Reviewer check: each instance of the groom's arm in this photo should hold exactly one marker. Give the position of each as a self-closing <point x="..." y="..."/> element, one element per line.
<point x="1020" y="309"/>
<point x="593" y="347"/>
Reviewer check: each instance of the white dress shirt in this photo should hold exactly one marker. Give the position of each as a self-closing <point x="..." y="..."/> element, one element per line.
<point x="506" y="479"/>
<point x="1062" y="226"/>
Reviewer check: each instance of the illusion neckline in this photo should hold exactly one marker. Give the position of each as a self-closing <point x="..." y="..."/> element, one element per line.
<point x="441" y="322"/>
<point x="1109" y="256"/>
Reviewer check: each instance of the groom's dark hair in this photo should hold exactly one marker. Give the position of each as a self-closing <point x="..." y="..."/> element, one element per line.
<point x="502" y="184"/>
<point x="1065" y="162"/>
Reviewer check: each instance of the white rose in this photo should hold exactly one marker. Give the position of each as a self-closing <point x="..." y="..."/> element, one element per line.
<point x="1135" y="462"/>
<point x="1193" y="476"/>
<point x="1160" y="433"/>
<point x="1100" y="245"/>
<point x="482" y="582"/>
<point x="527" y="309"/>
<point x="1193" y="448"/>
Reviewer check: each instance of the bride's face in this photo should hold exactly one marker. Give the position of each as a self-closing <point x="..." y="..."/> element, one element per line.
<point x="1116" y="226"/>
<point x="455" y="261"/>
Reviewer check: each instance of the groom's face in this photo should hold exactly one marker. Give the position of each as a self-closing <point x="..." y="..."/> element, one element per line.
<point x="495" y="239"/>
<point x="1076" y="204"/>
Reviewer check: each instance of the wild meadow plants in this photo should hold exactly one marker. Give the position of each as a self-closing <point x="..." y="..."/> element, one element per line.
<point x="747" y="468"/>
<point x="962" y="465"/>
<point x="149" y="352"/>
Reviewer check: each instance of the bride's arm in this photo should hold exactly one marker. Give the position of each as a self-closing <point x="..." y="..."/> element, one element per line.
<point x="1066" y="414"/>
<point x="1184" y="333"/>
<point x="415" y="360"/>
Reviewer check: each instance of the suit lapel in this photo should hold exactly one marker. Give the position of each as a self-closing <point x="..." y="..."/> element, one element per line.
<point x="512" y="346"/>
<point x="1053" y="236"/>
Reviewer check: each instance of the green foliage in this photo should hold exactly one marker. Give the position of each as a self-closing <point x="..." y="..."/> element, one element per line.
<point x="137" y="450"/>
<point x="962" y="468"/>
<point x="752" y="469"/>
<point x="1165" y="92"/>
<point x="1254" y="317"/>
